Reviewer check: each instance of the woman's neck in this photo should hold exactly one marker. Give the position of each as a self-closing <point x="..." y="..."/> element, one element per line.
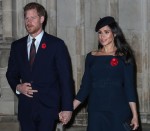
<point x="109" y="49"/>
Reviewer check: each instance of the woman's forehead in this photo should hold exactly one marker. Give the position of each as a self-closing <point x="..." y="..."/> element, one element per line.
<point x="105" y="28"/>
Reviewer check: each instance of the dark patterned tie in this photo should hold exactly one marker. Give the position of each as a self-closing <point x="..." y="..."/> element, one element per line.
<point x="32" y="52"/>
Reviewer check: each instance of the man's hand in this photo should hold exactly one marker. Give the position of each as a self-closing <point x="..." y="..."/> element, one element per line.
<point x="26" y="89"/>
<point x="65" y="116"/>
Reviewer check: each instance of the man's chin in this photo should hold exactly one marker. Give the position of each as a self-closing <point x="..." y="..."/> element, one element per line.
<point x="30" y="31"/>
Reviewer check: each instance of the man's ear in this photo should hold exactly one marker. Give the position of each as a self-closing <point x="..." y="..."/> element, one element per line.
<point x="42" y="19"/>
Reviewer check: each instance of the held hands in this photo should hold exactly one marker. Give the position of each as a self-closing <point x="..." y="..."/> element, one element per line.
<point x="26" y="89"/>
<point x="65" y="116"/>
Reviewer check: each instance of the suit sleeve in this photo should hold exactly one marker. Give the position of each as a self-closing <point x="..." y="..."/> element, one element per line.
<point x="63" y="63"/>
<point x="129" y="82"/>
<point x="85" y="83"/>
<point x="12" y="73"/>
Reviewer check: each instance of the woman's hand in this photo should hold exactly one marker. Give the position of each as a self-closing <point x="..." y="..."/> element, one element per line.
<point x="134" y="123"/>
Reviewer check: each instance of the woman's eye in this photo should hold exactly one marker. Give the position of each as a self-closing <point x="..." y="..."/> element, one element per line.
<point x="106" y="32"/>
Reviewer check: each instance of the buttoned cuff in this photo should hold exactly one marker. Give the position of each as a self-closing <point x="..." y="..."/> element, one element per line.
<point x="17" y="92"/>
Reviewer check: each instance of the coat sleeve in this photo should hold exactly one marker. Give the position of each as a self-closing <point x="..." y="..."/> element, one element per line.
<point x="129" y="82"/>
<point x="64" y="70"/>
<point x="12" y="73"/>
<point x="86" y="82"/>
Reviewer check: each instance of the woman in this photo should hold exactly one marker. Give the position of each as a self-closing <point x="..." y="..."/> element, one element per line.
<point x="108" y="81"/>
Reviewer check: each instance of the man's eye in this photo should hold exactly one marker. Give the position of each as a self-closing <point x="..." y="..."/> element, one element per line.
<point x="33" y="18"/>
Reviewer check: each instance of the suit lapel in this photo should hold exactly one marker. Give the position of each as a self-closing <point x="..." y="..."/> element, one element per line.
<point x="25" y="53"/>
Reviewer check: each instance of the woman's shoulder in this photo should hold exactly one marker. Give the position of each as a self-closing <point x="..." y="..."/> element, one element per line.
<point x="92" y="53"/>
<point x="89" y="55"/>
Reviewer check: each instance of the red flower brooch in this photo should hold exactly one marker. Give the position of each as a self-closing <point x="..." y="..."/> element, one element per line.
<point x="43" y="45"/>
<point x="114" y="62"/>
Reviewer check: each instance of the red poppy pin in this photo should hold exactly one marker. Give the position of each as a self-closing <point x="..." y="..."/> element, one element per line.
<point x="43" y="45"/>
<point x="114" y="62"/>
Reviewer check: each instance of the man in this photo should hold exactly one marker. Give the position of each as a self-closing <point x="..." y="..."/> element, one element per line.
<point x="39" y="71"/>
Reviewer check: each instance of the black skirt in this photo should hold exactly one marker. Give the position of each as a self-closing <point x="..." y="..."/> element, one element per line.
<point x="107" y="121"/>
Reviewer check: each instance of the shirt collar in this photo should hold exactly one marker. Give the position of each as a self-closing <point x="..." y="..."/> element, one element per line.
<point x="38" y="38"/>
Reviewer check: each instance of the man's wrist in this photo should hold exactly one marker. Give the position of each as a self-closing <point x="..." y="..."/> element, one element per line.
<point x="17" y="91"/>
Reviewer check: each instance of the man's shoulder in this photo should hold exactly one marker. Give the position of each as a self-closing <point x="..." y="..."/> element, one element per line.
<point x="52" y="37"/>
<point x="18" y="42"/>
<point x="21" y="39"/>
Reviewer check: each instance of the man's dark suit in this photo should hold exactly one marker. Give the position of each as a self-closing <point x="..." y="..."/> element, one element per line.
<point x="51" y="76"/>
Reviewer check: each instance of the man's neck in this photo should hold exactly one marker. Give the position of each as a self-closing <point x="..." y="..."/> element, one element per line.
<point x="36" y="34"/>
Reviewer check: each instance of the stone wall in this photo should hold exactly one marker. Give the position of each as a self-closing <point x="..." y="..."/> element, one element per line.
<point x="7" y="99"/>
<point x="74" y="21"/>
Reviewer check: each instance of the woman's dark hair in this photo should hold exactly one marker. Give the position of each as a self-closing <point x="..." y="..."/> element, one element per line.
<point x="123" y="48"/>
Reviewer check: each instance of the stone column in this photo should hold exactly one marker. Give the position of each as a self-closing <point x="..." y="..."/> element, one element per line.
<point x="136" y="28"/>
<point x="7" y="20"/>
<point x="7" y="99"/>
<point x="1" y="27"/>
<point x="51" y="8"/>
<point x="144" y="88"/>
<point x="114" y="9"/>
<point x="71" y="28"/>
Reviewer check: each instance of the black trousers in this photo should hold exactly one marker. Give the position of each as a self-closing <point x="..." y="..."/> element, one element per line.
<point x="38" y="118"/>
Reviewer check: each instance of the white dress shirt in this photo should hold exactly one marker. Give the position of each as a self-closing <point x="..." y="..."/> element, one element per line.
<point x="37" y="42"/>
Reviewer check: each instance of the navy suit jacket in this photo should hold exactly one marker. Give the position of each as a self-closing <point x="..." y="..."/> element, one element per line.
<point x="51" y="74"/>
